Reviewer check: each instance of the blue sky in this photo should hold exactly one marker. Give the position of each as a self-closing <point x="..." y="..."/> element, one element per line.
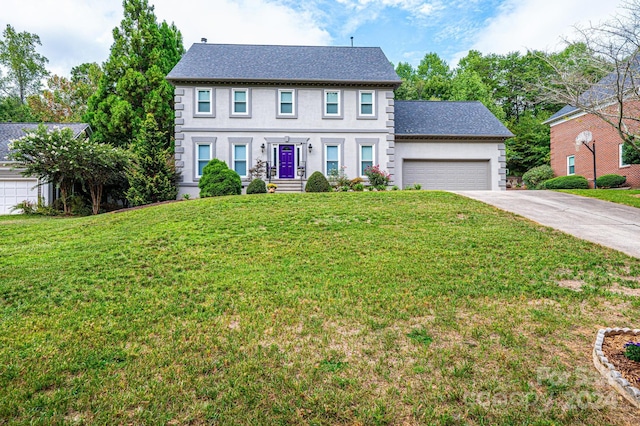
<point x="77" y="31"/>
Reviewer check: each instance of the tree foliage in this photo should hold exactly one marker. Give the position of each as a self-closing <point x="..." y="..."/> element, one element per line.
<point x="133" y="84"/>
<point x="56" y="156"/>
<point x="600" y="74"/>
<point x="25" y="66"/>
<point x="65" y="100"/>
<point x="152" y="174"/>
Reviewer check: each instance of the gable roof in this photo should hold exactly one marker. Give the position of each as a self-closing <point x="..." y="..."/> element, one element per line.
<point x="11" y="131"/>
<point x="292" y="64"/>
<point x="447" y="119"/>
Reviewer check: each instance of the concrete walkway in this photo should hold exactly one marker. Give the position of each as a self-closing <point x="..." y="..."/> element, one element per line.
<point x="609" y="224"/>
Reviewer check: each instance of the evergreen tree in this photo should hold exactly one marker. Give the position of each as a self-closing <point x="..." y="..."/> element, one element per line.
<point x="133" y="84"/>
<point x="152" y="175"/>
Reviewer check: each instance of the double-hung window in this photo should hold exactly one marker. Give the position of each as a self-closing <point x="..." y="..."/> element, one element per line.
<point x="240" y="102"/>
<point x="240" y="159"/>
<point x="621" y="156"/>
<point x="203" y="156"/>
<point x="204" y="102"/>
<point x="332" y="156"/>
<point x="332" y="107"/>
<point x="366" y="103"/>
<point x="286" y="103"/>
<point x="366" y="157"/>
<point x="571" y="165"/>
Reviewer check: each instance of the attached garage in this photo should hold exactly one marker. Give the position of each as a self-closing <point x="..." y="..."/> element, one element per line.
<point x="451" y="146"/>
<point x="14" y="191"/>
<point x="450" y="175"/>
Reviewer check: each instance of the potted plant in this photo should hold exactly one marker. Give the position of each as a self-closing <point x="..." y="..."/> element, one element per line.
<point x="271" y="187"/>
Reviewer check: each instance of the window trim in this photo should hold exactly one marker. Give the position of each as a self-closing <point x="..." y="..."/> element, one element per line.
<point x="212" y="103"/>
<point x="232" y="93"/>
<point x="374" y="109"/>
<point x="233" y="142"/>
<point x="569" y="157"/>
<point x="621" y="164"/>
<point x="294" y="102"/>
<point x="338" y="115"/>
<point x="197" y="141"/>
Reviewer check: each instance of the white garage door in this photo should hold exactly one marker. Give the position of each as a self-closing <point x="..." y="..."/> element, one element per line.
<point x="14" y="191"/>
<point x="447" y="175"/>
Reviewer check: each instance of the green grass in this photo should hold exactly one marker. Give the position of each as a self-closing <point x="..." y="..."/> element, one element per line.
<point x="404" y="307"/>
<point x="630" y="197"/>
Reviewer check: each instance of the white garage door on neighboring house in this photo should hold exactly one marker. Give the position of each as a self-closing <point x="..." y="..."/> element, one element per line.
<point x="448" y="175"/>
<point x="14" y="191"/>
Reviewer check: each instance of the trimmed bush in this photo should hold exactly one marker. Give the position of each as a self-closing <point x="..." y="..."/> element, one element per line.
<point x="317" y="183"/>
<point x="257" y="186"/>
<point x="610" y="181"/>
<point x="565" y="182"/>
<point x="537" y="175"/>
<point x="217" y="179"/>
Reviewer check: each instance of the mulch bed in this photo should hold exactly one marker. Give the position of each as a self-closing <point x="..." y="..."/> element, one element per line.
<point x="613" y="349"/>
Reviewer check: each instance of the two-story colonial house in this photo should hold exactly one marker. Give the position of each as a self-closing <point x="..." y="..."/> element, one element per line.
<point x="320" y="108"/>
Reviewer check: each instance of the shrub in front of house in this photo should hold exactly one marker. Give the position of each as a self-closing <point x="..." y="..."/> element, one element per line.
<point x="610" y="181"/>
<point x="217" y="179"/>
<point x="537" y="175"/>
<point x="565" y="182"/>
<point x="257" y="186"/>
<point x="317" y="183"/>
<point x="378" y="178"/>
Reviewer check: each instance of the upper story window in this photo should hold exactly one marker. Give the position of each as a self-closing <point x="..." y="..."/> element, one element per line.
<point x="332" y="104"/>
<point x="240" y="102"/>
<point x="571" y="165"/>
<point x="621" y="156"/>
<point x="204" y="102"/>
<point x="286" y="103"/>
<point x="203" y="156"/>
<point x="366" y="103"/>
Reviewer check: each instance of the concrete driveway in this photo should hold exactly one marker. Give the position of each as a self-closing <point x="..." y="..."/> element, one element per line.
<point x="609" y="224"/>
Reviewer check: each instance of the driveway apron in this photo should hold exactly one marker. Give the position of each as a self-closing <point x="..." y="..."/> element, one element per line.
<point x="609" y="224"/>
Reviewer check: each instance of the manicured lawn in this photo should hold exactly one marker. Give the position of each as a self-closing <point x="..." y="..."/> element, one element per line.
<point x="404" y="307"/>
<point x="629" y="197"/>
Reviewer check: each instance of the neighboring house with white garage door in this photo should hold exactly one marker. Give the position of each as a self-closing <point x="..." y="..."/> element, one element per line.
<point x="14" y="187"/>
<point x="320" y="108"/>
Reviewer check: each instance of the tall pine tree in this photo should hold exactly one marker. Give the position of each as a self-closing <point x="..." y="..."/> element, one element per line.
<point x="152" y="175"/>
<point x="133" y="84"/>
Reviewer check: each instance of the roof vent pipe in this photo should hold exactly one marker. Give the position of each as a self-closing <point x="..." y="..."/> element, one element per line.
<point x="204" y="40"/>
<point x="351" y="41"/>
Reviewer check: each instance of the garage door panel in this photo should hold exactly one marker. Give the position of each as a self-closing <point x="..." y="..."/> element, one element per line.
<point x="447" y="174"/>
<point x="14" y="191"/>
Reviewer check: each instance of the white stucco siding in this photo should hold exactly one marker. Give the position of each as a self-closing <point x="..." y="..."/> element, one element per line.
<point x="454" y="150"/>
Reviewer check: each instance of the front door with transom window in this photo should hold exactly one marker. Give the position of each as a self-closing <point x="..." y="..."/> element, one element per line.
<point x="287" y="169"/>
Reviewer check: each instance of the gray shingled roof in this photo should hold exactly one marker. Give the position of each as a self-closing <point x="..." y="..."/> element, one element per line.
<point x="11" y="131"/>
<point x="256" y="63"/>
<point x="566" y="110"/>
<point x="447" y="118"/>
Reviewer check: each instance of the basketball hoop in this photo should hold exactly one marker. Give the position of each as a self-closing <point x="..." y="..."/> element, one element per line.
<point x="583" y="139"/>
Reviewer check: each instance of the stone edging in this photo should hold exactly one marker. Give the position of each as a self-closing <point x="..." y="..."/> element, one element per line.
<point x="608" y="370"/>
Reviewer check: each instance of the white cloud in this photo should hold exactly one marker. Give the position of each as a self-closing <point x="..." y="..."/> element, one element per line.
<point x="77" y="31"/>
<point x="537" y="24"/>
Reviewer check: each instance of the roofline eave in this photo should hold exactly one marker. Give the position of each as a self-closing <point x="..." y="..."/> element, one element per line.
<point x="273" y="81"/>
<point x="452" y="137"/>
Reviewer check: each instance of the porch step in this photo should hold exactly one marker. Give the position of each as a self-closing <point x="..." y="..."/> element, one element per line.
<point x="289" y="185"/>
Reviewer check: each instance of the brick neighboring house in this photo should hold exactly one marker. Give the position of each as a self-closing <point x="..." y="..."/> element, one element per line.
<point x="566" y="125"/>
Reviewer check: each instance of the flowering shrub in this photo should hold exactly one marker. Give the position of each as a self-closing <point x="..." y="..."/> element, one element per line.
<point x="632" y="351"/>
<point x="377" y="178"/>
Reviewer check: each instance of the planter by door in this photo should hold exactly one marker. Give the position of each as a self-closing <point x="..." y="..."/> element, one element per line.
<point x="287" y="169"/>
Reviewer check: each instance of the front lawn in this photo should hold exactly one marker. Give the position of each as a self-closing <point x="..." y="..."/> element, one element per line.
<point x="630" y="197"/>
<point x="403" y="307"/>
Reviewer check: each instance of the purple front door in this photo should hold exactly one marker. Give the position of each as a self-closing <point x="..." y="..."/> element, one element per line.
<point x="287" y="169"/>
